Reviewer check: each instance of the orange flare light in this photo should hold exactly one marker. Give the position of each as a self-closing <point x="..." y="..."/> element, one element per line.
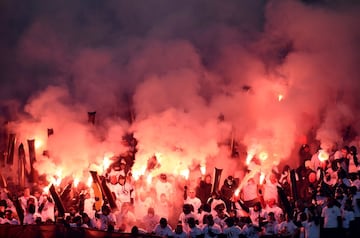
<point x="323" y="155"/>
<point x="237" y="191"/>
<point x="280" y="97"/>
<point x="263" y="156"/>
<point x="76" y="182"/>
<point x="203" y="169"/>
<point x="262" y="178"/>
<point x="185" y="173"/>
<point x="89" y="181"/>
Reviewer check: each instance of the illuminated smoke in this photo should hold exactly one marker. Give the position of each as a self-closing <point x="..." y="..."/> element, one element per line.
<point x="274" y="70"/>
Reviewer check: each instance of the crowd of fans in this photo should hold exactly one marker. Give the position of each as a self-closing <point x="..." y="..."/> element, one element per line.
<point x="320" y="198"/>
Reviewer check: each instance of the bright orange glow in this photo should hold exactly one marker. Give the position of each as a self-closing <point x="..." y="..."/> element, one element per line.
<point x="106" y="161"/>
<point x="149" y="179"/>
<point x="76" y="182"/>
<point x="46" y="189"/>
<point x="249" y="157"/>
<point x="263" y="156"/>
<point x="280" y="97"/>
<point x="237" y="191"/>
<point x="323" y="155"/>
<point x="203" y="169"/>
<point x="185" y="173"/>
<point x="137" y="173"/>
<point x="89" y="181"/>
<point x="262" y="177"/>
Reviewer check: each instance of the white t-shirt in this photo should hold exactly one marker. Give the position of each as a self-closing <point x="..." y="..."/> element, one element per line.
<point x="311" y="229"/>
<point x="330" y="215"/>
<point x="196" y="202"/>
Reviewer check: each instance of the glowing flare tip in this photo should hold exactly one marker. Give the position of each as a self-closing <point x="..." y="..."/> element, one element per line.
<point x="203" y="169"/>
<point x="263" y="156"/>
<point x="185" y="173"/>
<point x="149" y="179"/>
<point x="76" y="182"/>
<point x="262" y="178"/>
<point x="323" y="155"/>
<point x="89" y="181"/>
<point x="280" y="97"/>
<point x="237" y="191"/>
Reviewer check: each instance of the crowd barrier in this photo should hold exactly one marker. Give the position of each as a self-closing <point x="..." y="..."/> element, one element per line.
<point x="59" y="231"/>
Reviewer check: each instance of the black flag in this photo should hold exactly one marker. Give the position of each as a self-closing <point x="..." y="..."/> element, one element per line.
<point x="57" y="200"/>
<point x="217" y="176"/>
<point x="91" y="117"/>
<point x="11" y="149"/>
<point x="21" y="166"/>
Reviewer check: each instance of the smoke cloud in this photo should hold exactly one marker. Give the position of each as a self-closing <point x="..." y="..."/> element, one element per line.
<point x="276" y="71"/>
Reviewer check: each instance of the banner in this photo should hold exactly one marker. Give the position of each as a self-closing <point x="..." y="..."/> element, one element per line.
<point x="11" y="149"/>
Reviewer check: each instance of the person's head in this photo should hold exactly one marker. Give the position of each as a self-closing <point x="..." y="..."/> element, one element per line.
<point x="37" y="194"/>
<point x="151" y="212"/>
<point x="163" y="197"/>
<point x="85" y="218"/>
<point x="26" y="192"/>
<point x="345" y="151"/>
<point x="191" y="193"/>
<point x="8" y="214"/>
<point x="163" y="222"/>
<point x="122" y="164"/>
<point x="188" y="208"/>
<point x="206" y="207"/>
<point x="273" y="178"/>
<point x="207" y="179"/>
<point x="271" y="202"/>
<point x="72" y="211"/>
<point x="31" y="208"/>
<point x="122" y="179"/>
<point x="271" y="216"/>
<point x="330" y="202"/>
<point x="163" y="177"/>
<point x="230" y="221"/>
<point x="113" y="179"/>
<point x="179" y="229"/>
<point x="210" y="220"/>
<point x="105" y="210"/>
<point x="3" y="205"/>
<point x="215" y="195"/>
<point x="257" y="206"/>
<point x="134" y="230"/>
<point x="229" y="180"/>
<point x="78" y="220"/>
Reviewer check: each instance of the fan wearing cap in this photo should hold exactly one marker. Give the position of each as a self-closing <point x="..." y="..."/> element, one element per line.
<point x="125" y="191"/>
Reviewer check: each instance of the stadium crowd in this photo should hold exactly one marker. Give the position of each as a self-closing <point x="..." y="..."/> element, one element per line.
<point x="320" y="198"/>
